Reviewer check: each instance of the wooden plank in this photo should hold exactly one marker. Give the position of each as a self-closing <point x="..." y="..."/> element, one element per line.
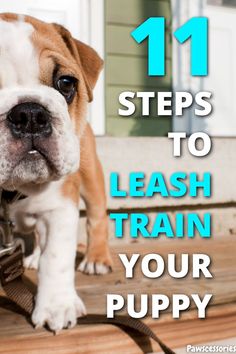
<point x="222" y="285"/>
<point x="132" y="71"/>
<point x="223" y="343"/>
<point x="17" y="336"/>
<point x="119" y="41"/>
<point x="110" y="340"/>
<point x="180" y="334"/>
<point x="133" y="12"/>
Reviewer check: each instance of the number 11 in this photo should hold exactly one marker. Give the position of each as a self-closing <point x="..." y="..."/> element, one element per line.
<point x="154" y="28"/>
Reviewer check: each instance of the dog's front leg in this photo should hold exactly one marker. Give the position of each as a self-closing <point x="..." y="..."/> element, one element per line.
<point x="97" y="259"/>
<point x="57" y="303"/>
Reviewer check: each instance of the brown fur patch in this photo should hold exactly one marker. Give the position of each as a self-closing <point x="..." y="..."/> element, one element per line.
<point x="70" y="188"/>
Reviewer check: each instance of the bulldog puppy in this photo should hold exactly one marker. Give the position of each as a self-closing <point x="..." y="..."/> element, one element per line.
<point x="48" y="153"/>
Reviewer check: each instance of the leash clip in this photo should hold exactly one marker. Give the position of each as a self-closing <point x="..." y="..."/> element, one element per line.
<point x="11" y="265"/>
<point x="8" y="242"/>
<point x="11" y="248"/>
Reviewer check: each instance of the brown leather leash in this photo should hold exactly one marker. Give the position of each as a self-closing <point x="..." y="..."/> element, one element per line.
<point x="21" y="292"/>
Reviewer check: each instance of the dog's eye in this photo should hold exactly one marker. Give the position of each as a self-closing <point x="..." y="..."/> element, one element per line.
<point x="66" y="85"/>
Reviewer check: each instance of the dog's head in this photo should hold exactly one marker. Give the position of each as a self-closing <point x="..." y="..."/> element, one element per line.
<point x="46" y="80"/>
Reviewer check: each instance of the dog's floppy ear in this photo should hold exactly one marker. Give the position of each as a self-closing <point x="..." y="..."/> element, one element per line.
<point x="86" y="57"/>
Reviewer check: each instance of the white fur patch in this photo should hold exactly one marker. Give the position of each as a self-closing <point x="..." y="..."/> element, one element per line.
<point x="32" y="261"/>
<point x="57" y="302"/>
<point x="18" y="59"/>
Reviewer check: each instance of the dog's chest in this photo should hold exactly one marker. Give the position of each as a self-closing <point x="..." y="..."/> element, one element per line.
<point x="25" y="213"/>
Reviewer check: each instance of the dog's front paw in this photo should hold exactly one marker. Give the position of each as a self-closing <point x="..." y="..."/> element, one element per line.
<point x="96" y="263"/>
<point x="59" y="311"/>
<point x="94" y="267"/>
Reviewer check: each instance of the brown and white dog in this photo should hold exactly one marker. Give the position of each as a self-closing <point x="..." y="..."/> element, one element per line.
<point x="48" y="153"/>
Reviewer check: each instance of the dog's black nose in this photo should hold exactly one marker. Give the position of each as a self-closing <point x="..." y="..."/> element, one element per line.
<point x="29" y="119"/>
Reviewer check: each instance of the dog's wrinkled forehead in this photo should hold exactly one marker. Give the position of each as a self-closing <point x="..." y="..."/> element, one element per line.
<point x="18" y="57"/>
<point x="46" y="80"/>
<point x="32" y="51"/>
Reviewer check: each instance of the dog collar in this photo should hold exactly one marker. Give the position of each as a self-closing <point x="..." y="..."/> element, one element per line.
<point x="8" y="241"/>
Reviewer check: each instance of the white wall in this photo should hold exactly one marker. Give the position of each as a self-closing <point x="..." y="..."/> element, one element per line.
<point x="221" y="80"/>
<point x="155" y="155"/>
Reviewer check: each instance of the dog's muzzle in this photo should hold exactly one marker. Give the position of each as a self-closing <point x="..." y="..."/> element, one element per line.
<point x="38" y="140"/>
<point x="29" y="119"/>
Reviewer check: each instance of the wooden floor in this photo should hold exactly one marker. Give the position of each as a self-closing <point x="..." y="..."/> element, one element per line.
<point x="17" y="336"/>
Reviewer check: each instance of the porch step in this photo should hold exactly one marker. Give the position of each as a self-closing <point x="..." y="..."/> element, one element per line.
<point x="17" y="336"/>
